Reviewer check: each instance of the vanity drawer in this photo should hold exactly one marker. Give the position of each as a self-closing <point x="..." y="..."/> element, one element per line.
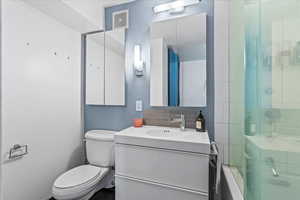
<point x="176" y="168"/>
<point x="133" y="189"/>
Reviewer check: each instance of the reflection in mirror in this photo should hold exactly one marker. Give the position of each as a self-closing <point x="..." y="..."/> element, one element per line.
<point x="94" y="69"/>
<point x="105" y="68"/>
<point x="178" y="62"/>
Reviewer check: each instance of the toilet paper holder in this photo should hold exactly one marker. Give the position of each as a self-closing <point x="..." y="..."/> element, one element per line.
<point x="17" y="151"/>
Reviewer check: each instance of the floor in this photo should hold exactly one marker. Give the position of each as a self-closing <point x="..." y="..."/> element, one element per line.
<point x="104" y="194"/>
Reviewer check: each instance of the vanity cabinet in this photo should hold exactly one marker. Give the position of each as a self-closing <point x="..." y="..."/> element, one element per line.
<point x="145" y="172"/>
<point x="134" y="189"/>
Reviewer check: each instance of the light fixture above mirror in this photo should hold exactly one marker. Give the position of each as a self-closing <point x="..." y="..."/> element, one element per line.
<point x="175" y="6"/>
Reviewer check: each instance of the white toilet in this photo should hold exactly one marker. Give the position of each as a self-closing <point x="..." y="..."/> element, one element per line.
<point x="82" y="182"/>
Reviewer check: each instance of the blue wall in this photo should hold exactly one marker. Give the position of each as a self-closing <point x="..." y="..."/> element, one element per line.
<point x="140" y="17"/>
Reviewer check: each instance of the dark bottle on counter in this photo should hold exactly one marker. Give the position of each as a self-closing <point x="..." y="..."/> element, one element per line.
<point x="200" y="123"/>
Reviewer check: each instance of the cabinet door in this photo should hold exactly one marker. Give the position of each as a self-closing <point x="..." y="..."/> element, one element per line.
<point x="180" y="169"/>
<point x="115" y="67"/>
<point x="94" y="86"/>
<point x="134" y="189"/>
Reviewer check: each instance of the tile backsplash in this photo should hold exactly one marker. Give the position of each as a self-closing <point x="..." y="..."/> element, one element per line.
<point x="164" y="116"/>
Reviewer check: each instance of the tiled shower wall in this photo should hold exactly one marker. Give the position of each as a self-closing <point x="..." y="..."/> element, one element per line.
<point x="221" y="62"/>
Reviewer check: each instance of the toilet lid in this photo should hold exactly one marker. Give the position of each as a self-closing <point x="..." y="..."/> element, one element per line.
<point x="77" y="176"/>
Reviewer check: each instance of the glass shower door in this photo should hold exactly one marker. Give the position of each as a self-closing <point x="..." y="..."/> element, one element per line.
<point x="265" y="96"/>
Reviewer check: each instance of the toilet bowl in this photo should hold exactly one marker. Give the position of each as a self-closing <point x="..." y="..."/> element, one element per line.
<point x="82" y="182"/>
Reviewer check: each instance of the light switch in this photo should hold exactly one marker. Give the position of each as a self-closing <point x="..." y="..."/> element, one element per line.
<point x="139" y="105"/>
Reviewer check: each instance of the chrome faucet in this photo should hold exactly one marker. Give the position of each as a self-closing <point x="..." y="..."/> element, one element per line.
<point x="182" y="124"/>
<point x="181" y="120"/>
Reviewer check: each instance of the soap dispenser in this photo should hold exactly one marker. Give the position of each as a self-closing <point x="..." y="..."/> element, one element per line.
<point x="200" y="123"/>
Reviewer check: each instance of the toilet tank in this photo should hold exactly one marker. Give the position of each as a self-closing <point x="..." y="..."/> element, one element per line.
<point x="100" y="148"/>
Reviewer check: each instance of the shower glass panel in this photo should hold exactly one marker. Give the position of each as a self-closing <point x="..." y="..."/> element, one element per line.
<point x="265" y="98"/>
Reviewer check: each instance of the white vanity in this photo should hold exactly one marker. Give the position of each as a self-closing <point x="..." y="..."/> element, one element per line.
<point x="162" y="163"/>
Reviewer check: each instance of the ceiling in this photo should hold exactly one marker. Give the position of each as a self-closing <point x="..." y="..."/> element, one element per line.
<point x="109" y="3"/>
<point x="83" y="16"/>
<point x="104" y="3"/>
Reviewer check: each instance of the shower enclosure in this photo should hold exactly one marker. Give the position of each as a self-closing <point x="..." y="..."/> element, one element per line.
<point x="264" y="114"/>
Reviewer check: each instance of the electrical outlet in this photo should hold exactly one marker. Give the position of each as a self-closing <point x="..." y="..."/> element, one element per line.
<point x="139" y="105"/>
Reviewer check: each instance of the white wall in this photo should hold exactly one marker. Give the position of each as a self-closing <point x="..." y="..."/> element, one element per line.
<point x="92" y="10"/>
<point x="221" y="70"/>
<point x="221" y="62"/>
<point x="81" y="15"/>
<point x="65" y="14"/>
<point x="40" y="100"/>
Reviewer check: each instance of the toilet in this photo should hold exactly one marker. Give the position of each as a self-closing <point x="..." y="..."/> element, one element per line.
<point x="81" y="183"/>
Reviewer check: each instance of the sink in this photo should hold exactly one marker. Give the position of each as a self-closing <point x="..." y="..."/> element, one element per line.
<point x="163" y="133"/>
<point x="165" y="138"/>
<point x="181" y="159"/>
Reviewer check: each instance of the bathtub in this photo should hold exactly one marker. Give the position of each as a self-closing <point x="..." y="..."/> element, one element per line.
<point x="230" y="189"/>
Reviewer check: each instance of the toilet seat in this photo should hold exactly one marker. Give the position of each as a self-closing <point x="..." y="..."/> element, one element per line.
<point x="78" y="181"/>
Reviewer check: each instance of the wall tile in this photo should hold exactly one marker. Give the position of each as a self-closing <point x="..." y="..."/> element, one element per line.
<point x="221" y="60"/>
<point x="163" y="117"/>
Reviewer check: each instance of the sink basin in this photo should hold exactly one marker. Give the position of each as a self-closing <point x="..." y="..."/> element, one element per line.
<point x="163" y="133"/>
<point x="165" y="138"/>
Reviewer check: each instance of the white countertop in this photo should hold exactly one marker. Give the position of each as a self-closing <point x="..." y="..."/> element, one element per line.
<point x="188" y="140"/>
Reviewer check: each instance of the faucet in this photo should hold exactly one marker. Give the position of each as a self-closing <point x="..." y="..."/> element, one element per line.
<point x="181" y="120"/>
<point x="182" y="124"/>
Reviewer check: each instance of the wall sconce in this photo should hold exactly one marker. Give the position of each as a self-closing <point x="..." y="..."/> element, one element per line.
<point x="138" y="62"/>
<point x="175" y="6"/>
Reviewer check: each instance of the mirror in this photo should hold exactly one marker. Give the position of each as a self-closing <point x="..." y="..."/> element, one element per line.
<point x="178" y="62"/>
<point x="105" y="68"/>
<point x="94" y="69"/>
